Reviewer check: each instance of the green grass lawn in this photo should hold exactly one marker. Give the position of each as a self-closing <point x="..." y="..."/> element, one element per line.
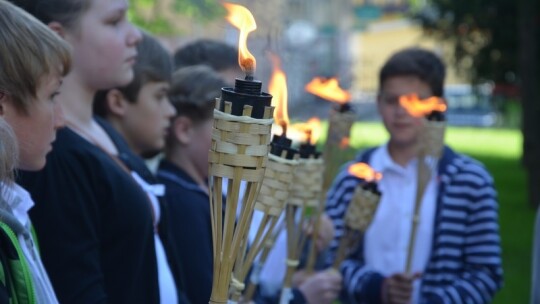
<point x="499" y="150"/>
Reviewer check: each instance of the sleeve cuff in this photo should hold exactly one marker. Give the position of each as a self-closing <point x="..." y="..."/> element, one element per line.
<point x="298" y="297"/>
<point x="374" y="288"/>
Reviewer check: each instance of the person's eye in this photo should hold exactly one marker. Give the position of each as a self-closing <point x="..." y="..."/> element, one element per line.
<point x="116" y="20"/>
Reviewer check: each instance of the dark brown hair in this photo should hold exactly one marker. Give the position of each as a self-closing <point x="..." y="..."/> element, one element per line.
<point x="194" y="90"/>
<point x="66" y="12"/>
<point x="417" y="62"/>
<point x="216" y="54"/>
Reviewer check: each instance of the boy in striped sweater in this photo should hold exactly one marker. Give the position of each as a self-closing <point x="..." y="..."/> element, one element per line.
<point x="457" y="254"/>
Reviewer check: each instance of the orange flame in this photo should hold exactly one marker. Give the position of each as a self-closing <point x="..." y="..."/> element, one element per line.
<point x="241" y="18"/>
<point x="278" y="89"/>
<point x="364" y="171"/>
<point x="421" y="107"/>
<point x="328" y="89"/>
<point x="344" y="144"/>
<point x="311" y="130"/>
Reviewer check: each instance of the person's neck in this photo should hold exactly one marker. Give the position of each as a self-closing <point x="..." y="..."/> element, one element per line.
<point x="119" y="127"/>
<point x="76" y="102"/>
<point x="185" y="163"/>
<point x="402" y="153"/>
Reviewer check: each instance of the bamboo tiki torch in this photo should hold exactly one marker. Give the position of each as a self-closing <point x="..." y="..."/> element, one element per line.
<point x="303" y="202"/>
<point x="360" y="211"/>
<point x="278" y="177"/>
<point x="239" y="152"/>
<point x="430" y="147"/>
<point x="340" y="121"/>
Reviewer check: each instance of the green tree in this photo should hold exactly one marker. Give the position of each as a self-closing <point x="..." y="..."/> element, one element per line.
<point x="498" y="41"/>
<point x="166" y="17"/>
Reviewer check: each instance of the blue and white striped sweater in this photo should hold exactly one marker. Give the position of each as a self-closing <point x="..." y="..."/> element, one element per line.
<point x="465" y="263"/>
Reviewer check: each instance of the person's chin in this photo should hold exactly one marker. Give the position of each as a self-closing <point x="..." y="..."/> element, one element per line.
<point x="125" y="77"/>
<point x="402" y="139"/>
<point x="36" y="165"/>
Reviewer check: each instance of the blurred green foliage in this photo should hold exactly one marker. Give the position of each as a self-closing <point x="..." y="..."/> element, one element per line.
<point x="163" y="17"/>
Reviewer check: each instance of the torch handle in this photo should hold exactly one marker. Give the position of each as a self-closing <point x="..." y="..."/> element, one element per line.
<point x="340" y="254"/>
<point x="312" y="253"/>
<point x="257" y="268"/>
<point x="424" y="174"/>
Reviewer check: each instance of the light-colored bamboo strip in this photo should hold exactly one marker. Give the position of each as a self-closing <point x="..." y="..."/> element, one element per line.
<point x="258" y="265"/>
<point x="270" y="202"/>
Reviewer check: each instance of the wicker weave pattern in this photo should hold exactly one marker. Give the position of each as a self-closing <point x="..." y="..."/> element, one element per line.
<point x="307" y="183"/>
<point x="361" y="209"/>
<point x="275" y="188"/>
<point x="432" y="138"/>
<point x="239" y="142"/>
<point x="339" y="126"/>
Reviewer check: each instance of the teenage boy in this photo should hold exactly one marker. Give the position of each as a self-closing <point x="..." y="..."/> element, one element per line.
<point x="457" y="254"/>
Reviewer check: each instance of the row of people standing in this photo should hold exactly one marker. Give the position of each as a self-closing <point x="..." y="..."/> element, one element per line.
<point x="106" y="231"/>
<point x="104" y="235"/>
<point x="96" y="225"/>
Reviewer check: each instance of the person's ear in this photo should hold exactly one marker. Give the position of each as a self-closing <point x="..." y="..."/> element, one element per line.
<point x="116" y="103"/>
<point x="56" y="27"/>
<point x="183" y="130"/>
<point x="4" y="99"/>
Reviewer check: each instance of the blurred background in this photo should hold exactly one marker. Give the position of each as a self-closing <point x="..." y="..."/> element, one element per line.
<point x="491" y="48"/>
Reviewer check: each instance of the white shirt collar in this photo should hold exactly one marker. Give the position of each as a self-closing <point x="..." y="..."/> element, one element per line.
<point x="382" y="161"/>
<point x="20" y="202"/>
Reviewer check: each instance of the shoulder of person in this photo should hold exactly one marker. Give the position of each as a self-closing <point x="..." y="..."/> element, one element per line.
<point x="467" y="169"/>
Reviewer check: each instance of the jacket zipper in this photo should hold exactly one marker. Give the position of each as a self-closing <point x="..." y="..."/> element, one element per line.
<point x="26" y="271"/>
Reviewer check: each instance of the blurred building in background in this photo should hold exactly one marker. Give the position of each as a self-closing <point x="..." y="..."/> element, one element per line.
<point x="348" y="39"/>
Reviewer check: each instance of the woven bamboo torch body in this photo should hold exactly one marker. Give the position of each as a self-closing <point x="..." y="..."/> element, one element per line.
<point x="339" y="126"/>
<point x="358" y="217"/>
<point x="239" y="152"/>
<point x="270" y="202"/>
<point x="339" y="129"/>
<point x="431" y="145"/>
<point x="304" y="198"/>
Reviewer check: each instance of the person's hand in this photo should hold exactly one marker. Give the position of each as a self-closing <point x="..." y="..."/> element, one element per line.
<point x="322" y="288"/>
<point x="398" y="288"/>
<point x="326" y="232"/>
<point x="299" y="277"/>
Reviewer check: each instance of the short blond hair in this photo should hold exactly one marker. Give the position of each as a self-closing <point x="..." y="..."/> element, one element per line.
<point x="29" y="51"/>
<point x="8" y="153"/>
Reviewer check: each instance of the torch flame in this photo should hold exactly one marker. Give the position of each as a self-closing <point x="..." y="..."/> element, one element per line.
<point x="328" y="89"/>
<point x="344" y="144"/>
<point x="364" y="171"/>
<point x="241" y="18"/>
<point x="278" y="89"/>
<point x="421" y="107"/>
<point x="311" y="129"/>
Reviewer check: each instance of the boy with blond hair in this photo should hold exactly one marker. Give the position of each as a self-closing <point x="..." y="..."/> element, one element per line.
<point x="33" y="61"/>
